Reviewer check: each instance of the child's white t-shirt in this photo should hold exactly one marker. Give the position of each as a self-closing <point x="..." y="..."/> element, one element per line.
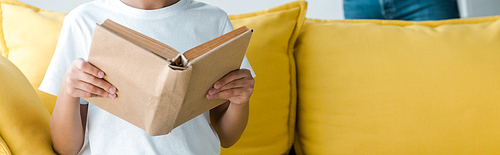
<point x="182" y="26"/>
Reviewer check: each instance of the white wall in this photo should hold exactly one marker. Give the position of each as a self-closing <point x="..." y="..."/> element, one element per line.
<point x="322" y="9"/>
<point x="479" y="8"/>
<point x="56" y="5"/>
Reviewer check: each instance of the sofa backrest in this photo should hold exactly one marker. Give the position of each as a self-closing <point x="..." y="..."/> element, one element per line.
<point x="28" y="39"/>
<point x="398" y="87"/>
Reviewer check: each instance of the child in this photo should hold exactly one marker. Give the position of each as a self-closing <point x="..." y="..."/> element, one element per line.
<point x="78" y="127"/>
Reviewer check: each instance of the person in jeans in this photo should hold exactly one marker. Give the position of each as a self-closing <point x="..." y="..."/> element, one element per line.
<point x="414" y="10"/>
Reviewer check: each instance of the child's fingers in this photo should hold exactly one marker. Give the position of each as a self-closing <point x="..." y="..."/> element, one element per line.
<point x="94" y="90"/>
<point x="231" y="76"/>
<point x="97" y="82"/>
<point x="231" y="85"/>
<point x="234" y="95"/>
<point x="88" y="68"/>
<point x="80" y="93"/>
<point x="237" y="86"/>
<point x="226" y="94"/>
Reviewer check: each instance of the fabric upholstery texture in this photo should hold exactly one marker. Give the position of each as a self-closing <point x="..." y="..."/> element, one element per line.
<point x="398" y="87"/>
<point x="24" y="121"/>
<point x="30" y="39"/>
<point x="271" y="125"/>
<point x="3" y="47"/>
<point x="364" y="86"/>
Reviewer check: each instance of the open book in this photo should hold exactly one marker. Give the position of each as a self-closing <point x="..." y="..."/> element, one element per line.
<point x="159" y="88"/>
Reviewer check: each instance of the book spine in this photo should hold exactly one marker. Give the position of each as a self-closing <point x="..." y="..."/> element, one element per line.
<point x="169" y="104"/>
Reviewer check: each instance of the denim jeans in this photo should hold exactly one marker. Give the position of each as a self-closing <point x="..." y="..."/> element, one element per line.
<point x="415" y="10"/>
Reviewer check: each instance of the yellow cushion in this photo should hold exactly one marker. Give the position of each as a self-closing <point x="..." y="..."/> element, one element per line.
<point x="399" y="87"/>
<point x="4" y="149"/>
<point x="24" y="121"/>
<point x="271" y="124"/>
<point x="30" y="39"/>
<point x="3" y="47"/>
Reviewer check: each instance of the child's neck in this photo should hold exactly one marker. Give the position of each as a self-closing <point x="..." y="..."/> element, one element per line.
<point x="149" y="4"/>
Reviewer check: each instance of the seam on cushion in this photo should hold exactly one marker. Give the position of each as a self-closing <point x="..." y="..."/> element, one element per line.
<point x="297" y="143"/>
<point x="293" y="78"/>
<point x="3" y="44"/>
<point x="292" y="114"/>
<point x="298" y="150"/>
<point x="4" y="149"/>
<point x="302" y="6"/>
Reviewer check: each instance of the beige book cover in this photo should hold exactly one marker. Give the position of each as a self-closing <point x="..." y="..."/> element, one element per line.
<point x="159" y="88"/>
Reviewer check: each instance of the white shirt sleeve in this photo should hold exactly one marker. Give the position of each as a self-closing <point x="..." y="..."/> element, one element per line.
<point x="228" y="27"/>
<point x="70" y="46"/>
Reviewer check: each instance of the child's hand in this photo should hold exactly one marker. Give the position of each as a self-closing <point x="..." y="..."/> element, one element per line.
<point x="85" y="80"/>
<point x="236" y="86"/>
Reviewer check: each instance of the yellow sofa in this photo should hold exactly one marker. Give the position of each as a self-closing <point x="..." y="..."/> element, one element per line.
<point x="323" y="86"/>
